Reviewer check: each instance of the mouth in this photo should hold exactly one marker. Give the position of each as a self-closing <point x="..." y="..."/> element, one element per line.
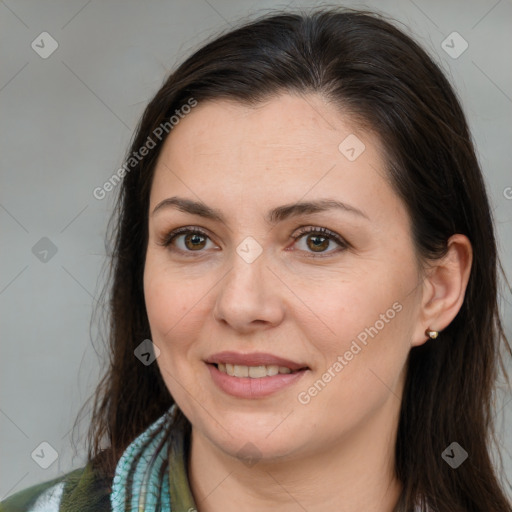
<point x="252" y="376"/>
<point x="254" y="365"/>
<point x="254" y="372"/>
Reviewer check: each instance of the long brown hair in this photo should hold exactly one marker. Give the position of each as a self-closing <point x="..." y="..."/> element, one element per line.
<point x="363" y="64"/>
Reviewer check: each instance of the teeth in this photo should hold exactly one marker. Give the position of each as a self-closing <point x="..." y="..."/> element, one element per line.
<point x="254" y="372"/>
<point x="272" y="370"/>
<point x="241" y="371"/>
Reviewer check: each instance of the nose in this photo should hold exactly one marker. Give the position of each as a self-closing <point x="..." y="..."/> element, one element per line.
<point x="249" y="296"/>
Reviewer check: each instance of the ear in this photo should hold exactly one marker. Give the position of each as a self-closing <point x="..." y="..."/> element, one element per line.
<point x="444" y="287"/>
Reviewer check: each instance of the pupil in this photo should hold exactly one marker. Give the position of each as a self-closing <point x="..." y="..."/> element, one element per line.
<point x="321" y="245"/>
<point x="195" y="239"/>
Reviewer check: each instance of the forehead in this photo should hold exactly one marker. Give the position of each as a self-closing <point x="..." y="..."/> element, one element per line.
<point x="283" y="129"/>
<point x="285" y="148"/>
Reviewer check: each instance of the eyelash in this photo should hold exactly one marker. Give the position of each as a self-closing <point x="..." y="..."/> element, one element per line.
<point x="169" y="237"/>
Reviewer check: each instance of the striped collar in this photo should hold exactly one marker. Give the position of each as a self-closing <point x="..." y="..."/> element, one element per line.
<point x="140" y="481"/>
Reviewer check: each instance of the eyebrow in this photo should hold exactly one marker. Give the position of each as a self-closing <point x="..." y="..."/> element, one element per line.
<point x="275" y="215"/>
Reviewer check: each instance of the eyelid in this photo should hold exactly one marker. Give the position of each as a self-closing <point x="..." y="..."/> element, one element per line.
<point x="323" y="231"/>
<point x="168" y="237"/>
<point x="342" y="243"/>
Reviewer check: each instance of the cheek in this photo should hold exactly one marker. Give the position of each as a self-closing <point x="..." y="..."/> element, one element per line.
<point x="161" y="304"/>
<point x="363" y="339"/>
<point x="169" y="297"/>
<point x="177" y="306"/>
<point x="173" y="309"/>
<point x="362" y="308"/>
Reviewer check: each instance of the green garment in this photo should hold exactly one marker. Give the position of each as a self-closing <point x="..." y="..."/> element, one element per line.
<point x="84" y="490"/>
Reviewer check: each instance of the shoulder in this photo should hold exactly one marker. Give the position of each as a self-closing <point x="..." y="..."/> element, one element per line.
<point x="82" y="489"/>
<point x="43" y="496"/>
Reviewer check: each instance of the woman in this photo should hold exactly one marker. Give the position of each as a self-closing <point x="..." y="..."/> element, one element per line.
<point x="304" y="297"/>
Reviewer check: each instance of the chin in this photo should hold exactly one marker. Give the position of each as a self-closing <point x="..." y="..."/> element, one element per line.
<point x="245" y="436"/>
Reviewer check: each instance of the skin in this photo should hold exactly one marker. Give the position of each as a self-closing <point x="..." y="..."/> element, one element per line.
<point x="335" y="453"/>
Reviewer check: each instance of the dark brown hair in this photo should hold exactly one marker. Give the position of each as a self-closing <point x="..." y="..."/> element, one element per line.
<point x="367" y="67"/>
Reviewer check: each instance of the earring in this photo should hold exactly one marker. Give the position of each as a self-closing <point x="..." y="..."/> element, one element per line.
<point x="432" y="334"/>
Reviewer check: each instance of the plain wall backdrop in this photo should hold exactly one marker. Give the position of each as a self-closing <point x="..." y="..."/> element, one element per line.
<point x="67" y="115"/>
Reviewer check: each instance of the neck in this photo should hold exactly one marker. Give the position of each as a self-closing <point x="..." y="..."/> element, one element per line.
<point x="356" y="473"/>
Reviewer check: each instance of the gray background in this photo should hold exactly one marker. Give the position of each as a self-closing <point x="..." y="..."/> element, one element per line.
<point x="65" y="125"/>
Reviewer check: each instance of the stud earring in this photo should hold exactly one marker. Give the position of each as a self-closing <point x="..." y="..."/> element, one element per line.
<point x="432" y="334"/>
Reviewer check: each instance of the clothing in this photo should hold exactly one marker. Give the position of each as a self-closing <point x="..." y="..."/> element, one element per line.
<point x="144" y="463"/>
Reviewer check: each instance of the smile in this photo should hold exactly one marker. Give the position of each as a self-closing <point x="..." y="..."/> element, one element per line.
<point x="253" y="382"/>
<point x="254" y="372"/>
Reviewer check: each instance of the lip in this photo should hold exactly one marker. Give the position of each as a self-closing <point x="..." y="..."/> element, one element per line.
<point x="255" y="359"/>
<point x="246" y="387"/>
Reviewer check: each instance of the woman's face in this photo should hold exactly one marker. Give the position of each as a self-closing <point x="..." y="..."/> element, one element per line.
<point x="342" y="315"/>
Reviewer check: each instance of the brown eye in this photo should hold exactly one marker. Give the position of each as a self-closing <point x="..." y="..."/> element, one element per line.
<point x="318" y="240"/>
<point x="186" y="240"/>
<point x="317" y="243"/>
<point x="194" y="241"/>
